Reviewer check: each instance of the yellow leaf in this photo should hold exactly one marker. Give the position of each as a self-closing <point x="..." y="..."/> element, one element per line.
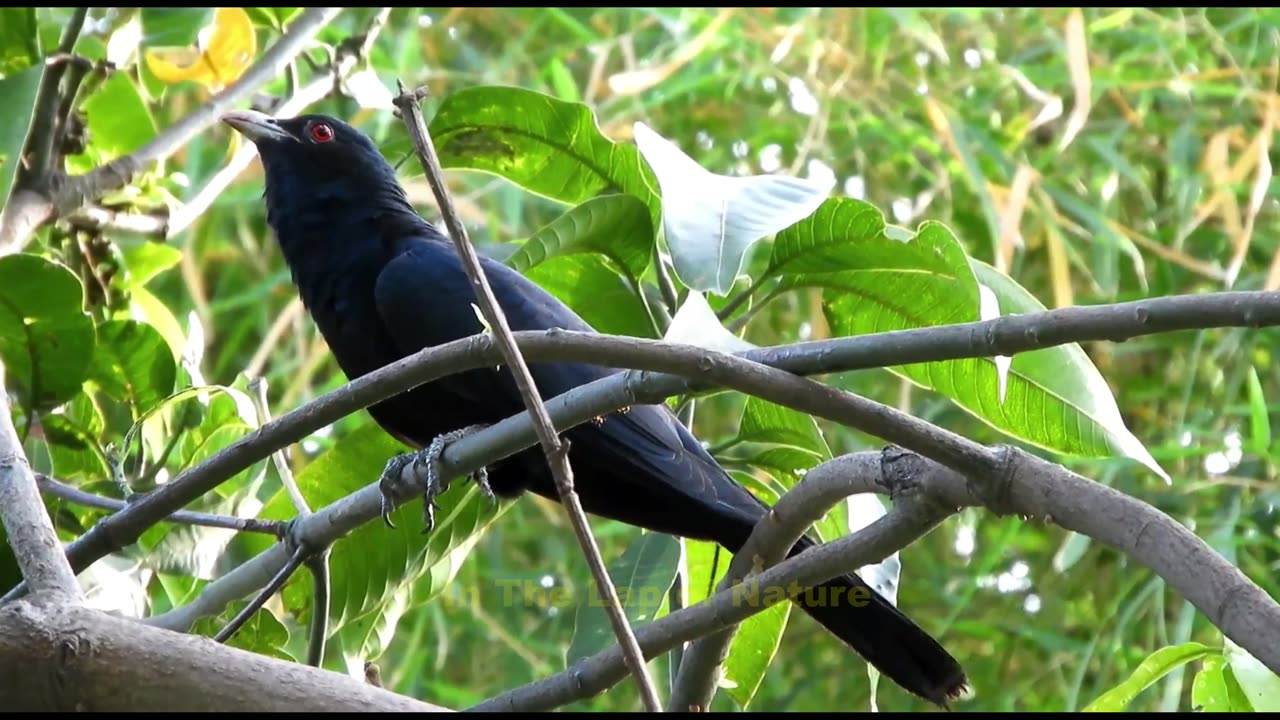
<point x="220" y="61"/>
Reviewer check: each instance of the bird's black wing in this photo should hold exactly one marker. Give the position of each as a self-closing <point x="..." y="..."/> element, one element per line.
<point x="640" y="466"/>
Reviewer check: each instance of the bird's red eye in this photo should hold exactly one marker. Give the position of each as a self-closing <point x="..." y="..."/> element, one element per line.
<point x="321" y="133"/>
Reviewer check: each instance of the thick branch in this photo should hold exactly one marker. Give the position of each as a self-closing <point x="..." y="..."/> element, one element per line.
<point x="1005" y="336"/>
<point x="45" y="123"/>
<point x="39" y="201"/>
<point x="556" y="451"/>
<point x="29" y="528"/>
<point x="66" y="658"/>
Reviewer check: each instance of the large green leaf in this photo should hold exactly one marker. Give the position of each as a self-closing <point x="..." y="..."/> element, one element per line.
<point x="765" y="422"/>
<point x="615" y="226"/>
<point x="18" y="97"/>
<point x="642" y="577"/>
<point x="73" y="437"/>
<point x="119" y="121"/>
<point x="545" y="145"/>
<point x="46" y="339"/>
<point x="875" y="282"/>
<point x="371" y="567"/>
<point x="603" y="299"/>
<point x="132" y="364"/>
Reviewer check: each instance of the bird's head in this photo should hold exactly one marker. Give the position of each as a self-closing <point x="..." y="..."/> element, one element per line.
<point x="316" y="159"/>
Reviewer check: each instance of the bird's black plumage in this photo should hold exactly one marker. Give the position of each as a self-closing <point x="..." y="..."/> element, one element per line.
<point x="381" y="283"/>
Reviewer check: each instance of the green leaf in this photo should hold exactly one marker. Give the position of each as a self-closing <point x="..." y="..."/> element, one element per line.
<point x="765" y="422"/>
<point x="149" y="309"/>
<point x="1056" y="398"/>
<point x="756" y="640"/>
<point x="547" y="146"/>
<point x="1156" y="666"/>
<point x="370" y="567"/>
<point x="145" y="260"/>
<point x="46" y="339"/>
<point x="131" y="363"/>
<point x="173" y="27"/>
<point x="642" y="577"/>
<point x="74" y="441"/>
<point x="806" y="248"/>
<point x="1053" y="398"/>
<point x="19" y="40"/>
<point x="615" y="226"/>
<point x="18" y="97"/>
<point x="711" y="221"/>
<point x="262" y="633"/>
<point x="603" y="299"/>
<point x="1259" y="421"/>
<point x="119" y="121"/>
<point x="1261" y="686"/>
<point x="1210" y="692"/>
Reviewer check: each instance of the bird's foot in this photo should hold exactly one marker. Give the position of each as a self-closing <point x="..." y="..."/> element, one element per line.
<point x="425" y="471"/>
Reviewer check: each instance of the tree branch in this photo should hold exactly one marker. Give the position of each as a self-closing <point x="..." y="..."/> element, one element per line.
<point x="45" y="122"/>
<point x="69" y="658"/>
<point x="55" y="488"/>
<point x="1003" y="336"/>
<point x="912" y="516"/>
<point x="556" y="450"/>
<point x="30" y="530"/>
<point x="42" y="198"/>
<point x="794" y="513"/>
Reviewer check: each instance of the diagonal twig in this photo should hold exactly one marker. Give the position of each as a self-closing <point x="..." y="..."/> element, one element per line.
<point x="58" y="489"/>
<point x="556" y="449"/>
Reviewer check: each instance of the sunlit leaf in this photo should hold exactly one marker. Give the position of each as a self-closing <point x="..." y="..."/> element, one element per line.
<point x="1156" y="666"/>
<point x="615" y="226"/>
<point x="547" y="146"/>
<point x="711" y="221"/>
<point x="119" y="121"/>
<point x="695" y="323"/>
<point x="1261" y="686"/>
<point x="215" y="63"/>
<point x="603" y="298"/>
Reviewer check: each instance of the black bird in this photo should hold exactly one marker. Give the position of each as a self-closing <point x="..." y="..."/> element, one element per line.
<point x="382" y="283"/>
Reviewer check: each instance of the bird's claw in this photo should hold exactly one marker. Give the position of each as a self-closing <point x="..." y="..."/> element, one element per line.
<point x="425" y="468"/>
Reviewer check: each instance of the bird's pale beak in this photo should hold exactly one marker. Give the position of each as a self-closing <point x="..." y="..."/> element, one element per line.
<point x="255" y="125"/>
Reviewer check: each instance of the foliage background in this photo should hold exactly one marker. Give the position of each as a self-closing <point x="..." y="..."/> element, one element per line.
<point x="1135" y="163"/>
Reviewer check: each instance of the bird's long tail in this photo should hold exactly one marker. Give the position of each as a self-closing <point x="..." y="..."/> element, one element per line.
<point x="886" y="638"/>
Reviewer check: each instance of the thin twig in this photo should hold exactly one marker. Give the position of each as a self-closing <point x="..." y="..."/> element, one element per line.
<point x="258" y="391"/>
<point x="272" y="587"/>
<point x="1002" y="336"/>
<point x="556" y="450"/>
<point x="30" y="530"/>
<point x="58" y="489"/>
